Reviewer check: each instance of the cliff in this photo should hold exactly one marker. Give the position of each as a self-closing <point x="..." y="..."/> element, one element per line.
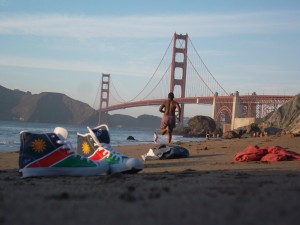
<point x="287" y="117"/>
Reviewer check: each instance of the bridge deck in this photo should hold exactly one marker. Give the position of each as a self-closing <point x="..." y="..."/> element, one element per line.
<point x="244" y="99"/>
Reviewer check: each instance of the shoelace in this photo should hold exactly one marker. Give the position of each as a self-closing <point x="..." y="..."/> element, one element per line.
<point x="114" y="152"/>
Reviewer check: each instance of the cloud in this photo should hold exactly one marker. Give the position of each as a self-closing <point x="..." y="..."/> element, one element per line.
<point x="136" y="26"/>
<point x="69" y="65"/>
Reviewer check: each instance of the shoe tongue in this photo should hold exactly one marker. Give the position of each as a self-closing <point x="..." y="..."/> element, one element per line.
<point x="61" y="132"/>
<point x="102" y="135"/>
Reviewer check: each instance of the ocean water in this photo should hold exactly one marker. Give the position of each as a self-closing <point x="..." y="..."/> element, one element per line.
<point x="10" y="134"/>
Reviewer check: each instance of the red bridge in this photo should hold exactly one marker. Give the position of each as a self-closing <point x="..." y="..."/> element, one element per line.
<point x="192" y="83"/>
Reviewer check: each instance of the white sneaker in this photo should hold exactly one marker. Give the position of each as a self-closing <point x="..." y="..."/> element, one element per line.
<point x="96" y="146"/>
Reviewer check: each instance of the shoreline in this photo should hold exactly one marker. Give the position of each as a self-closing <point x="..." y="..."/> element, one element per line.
<point x="213" y="154"/>
<point x="207" y="188"/>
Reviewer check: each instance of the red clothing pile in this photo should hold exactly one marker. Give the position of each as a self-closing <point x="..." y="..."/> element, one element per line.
<point x="266" y="154"/>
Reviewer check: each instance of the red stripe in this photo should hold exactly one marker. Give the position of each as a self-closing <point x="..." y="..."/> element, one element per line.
<point x="99" y="154"/>
<point x="52" y="158"/>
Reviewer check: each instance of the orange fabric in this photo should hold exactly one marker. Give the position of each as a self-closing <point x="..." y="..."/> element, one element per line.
<point x="266" y="154"/>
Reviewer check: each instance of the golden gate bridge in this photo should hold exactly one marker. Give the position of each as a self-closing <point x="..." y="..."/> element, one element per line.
<point x="182" y="71"/>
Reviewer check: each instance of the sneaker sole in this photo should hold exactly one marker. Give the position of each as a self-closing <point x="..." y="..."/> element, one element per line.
<point x="132" y="171"/>
<point x="129" y="171"/>
<point x="40" y="172"/>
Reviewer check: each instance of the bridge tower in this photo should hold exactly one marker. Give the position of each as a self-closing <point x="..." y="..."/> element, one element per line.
<point x="104" y="99"/>
<point x="178" y="67"/>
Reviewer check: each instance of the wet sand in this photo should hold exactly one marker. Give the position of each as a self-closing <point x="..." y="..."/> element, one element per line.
<point x="206" y="188"/>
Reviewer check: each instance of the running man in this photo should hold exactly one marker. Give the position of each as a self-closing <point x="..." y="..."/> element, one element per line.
<point x="168" y="121"/>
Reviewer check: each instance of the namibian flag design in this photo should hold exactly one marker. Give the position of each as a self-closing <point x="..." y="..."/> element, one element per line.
<point x="99" y="154"/>
<point x="44" y="150"/>
<point x="62" y="158"/>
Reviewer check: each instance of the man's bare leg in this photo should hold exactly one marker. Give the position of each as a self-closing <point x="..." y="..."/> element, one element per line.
<point x="163" y="131"/>
<point x="166" y="130"/>
<point x="169" y="137"/>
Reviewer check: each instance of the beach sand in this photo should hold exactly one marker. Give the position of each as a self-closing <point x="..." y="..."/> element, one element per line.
<point x="206" y="188"/>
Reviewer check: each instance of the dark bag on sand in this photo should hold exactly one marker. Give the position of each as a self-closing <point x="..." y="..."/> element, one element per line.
<point x="166" y="152"/>
<point x="176" y="152"/>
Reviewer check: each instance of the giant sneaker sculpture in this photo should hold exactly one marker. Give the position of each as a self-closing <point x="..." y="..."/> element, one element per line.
<point x="96" y="146"/>
<point x="50" y="154"/>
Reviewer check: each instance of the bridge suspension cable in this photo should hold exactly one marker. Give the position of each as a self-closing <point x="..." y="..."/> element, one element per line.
<point x="117" y="93"/>
<point x="166" y="72"/>
<point x="212" y="76"/>
<point x="96" y="100"/>
<point x="200" y="76"/>
<point x="151" y="78"/>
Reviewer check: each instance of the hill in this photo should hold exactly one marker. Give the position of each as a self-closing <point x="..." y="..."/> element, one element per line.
<point x="49" y="107"/>
<point x="118" y="120"/>
<point x="45" y="107"/>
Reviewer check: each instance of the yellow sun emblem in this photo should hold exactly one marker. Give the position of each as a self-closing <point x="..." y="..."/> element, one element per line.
<point x="38" y="145"/>
<point x="85" y="148"/>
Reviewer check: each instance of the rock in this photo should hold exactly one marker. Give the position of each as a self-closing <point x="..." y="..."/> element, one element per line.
<point x="202" y="123"/>
<point x="230" y="134"/>
<point x="272" y="130"/>
<point x="131" y="138"/>
<point x="184" y="131"/>
<point x="199" y="126"/>
<point x="249" y="131"/>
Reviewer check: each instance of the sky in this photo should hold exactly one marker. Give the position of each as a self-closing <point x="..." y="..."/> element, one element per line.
<point x="64" y="46"/>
